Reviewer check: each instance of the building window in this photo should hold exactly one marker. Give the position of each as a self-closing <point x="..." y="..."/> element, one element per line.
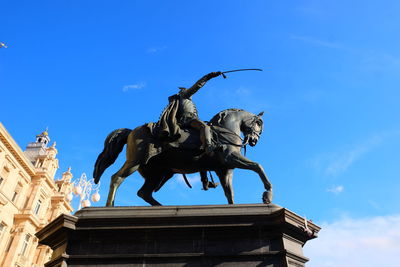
<point x="2" y="227"/>
<point x="37" y="207"/>
<point x="2" y="230"/>
<point x="16" y="192"/>
<point x="25" y="244"/>
<point x="4" y="174"/>
<point x="14" y="197"/>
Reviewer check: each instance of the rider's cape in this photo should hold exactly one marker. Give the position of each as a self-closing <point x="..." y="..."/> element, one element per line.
<point x="167" y="126"/>
<point x="165" y="131"/>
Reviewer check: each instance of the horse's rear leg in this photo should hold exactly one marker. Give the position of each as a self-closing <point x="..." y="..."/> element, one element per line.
<point x="127" y="169"/>
<point x="225" y="176"/>
<point x="135" y="150"/>
<point x="146" y="191"/>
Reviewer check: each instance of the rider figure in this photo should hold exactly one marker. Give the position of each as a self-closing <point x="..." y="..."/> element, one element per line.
<point x="183" y="112"/>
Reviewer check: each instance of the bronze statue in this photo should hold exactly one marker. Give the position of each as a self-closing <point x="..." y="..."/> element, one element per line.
<point x="182" y="143"/>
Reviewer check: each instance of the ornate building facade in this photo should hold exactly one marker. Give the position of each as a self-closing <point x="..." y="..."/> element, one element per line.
<point x="30" y="198"/>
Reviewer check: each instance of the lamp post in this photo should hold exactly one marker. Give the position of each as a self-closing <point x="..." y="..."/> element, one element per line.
<point x="83" y="187"/>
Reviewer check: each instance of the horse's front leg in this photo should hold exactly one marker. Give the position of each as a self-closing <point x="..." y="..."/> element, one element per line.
<point x="236" y="160"/>
<point x="225" y="176"/>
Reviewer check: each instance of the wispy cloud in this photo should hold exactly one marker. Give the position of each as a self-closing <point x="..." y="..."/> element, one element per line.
<point x="338" y="162"/>
<point x="193" y="179"/>
<point x="136" y="86"/>
<point x="335" y="163"/>
<point x="374" y="204"/>
<point x="242" y="91"/>
<point x="317" y="42"/>
<point x="336" y="189"/>
<point x="380" y="62"/>
<point x="342" y="161"/>
<point x="311" y="96"/>
<point x="241" y="96"/>
<point x="363" y="242"/>
<point x="155" y="49"/>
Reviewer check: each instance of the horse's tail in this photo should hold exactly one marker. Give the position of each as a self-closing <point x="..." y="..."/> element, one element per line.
<point x="113" y="145"/>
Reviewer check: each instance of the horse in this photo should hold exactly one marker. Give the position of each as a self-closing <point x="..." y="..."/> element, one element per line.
<point x="185" y="156"/>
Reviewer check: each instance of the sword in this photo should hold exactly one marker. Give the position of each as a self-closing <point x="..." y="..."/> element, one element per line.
<point x="223" y="73"/>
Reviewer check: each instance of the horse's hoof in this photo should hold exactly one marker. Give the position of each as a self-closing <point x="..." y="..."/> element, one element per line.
<point x="267" y="197"/>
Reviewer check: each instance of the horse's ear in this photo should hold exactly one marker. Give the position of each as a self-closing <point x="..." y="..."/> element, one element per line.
<point x="260" y="114"/>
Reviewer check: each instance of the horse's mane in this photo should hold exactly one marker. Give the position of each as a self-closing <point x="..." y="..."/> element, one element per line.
<point x="222" y="115"/>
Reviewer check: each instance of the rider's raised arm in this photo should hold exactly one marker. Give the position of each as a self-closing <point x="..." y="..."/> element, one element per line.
<point x="200" y="83"/>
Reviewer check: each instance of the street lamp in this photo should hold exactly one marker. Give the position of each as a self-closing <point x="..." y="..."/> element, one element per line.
<point x="83" y="187"/>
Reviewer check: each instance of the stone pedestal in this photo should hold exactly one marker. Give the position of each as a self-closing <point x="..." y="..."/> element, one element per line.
<point x="223" y="235"/>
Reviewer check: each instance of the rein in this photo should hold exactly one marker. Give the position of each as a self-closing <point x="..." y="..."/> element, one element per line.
<point x="221" y="130"/>
<point x="226" y="130"/>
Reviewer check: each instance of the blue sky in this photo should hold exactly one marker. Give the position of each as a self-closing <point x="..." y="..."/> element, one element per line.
<point x="329" y="89"/>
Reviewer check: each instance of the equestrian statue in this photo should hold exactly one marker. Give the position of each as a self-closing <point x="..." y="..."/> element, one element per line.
<point x="180" y="142"/>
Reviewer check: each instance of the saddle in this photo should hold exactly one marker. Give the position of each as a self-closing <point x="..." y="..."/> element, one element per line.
<point x="189" y="138"/>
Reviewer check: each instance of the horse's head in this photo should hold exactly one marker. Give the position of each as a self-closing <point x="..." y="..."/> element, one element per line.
<point x="239" y="120"/>
<point x="252" y="128"/>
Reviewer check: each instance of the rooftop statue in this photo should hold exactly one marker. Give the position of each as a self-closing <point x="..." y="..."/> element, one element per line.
<point x="182" y="143"/>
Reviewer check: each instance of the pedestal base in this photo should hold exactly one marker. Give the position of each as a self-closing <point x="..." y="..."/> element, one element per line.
<point x="223" y="235"/>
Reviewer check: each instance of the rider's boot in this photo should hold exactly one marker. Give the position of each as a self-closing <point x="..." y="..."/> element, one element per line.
<point x="204" y="180"/>
<point x="208" y="145"/>
<point x="206" y="183"/>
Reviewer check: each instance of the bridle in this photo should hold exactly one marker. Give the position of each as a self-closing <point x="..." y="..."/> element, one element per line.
<point x="249" y="131"/>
